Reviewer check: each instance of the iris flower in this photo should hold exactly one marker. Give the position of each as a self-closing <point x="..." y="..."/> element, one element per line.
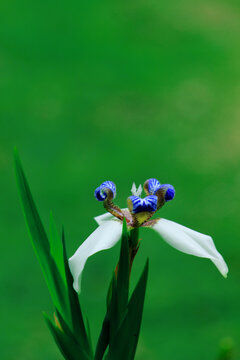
<point x="138" y="214"/>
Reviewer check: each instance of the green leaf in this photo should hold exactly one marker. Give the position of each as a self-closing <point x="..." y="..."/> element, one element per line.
<point x="77" y="320"/>
<point x="56" y="248"/>
<point x="41" y="244"/>
<point x="113" y="309"/>
<point x="103" y="339"/>
<point x="124" y="343"/>
<point x="64" y="326"/>
<point x="88" y="330"/>
<point x="134" y="237"/>
<point x="123" y="273"/>
<point x="66" y="342"/>
<point x="109" y="294"/>
<point x="59" y="338"/>
<point x="73" y="337"/>
<point x="110" y="321"/>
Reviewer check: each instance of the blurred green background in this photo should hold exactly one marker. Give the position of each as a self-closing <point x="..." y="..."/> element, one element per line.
<point x="125" y="91"/>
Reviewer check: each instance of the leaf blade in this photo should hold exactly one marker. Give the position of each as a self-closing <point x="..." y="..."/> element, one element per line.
<point x="40" y="241"/>
<point x="125" y="341"/>
<point x="56" y="247"/>
<point x="66" y="343"/>
<point x="123" y="272"/>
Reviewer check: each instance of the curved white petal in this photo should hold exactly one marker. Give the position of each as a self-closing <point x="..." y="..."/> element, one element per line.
<point x="104" y="237"/>
<point x="190" y="242"/>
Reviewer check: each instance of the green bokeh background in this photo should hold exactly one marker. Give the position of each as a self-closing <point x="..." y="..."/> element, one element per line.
<point x="125" y="91"/>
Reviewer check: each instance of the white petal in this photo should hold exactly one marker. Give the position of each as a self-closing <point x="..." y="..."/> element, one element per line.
<point x="104" y="237"/>
<point x="103" y="218"/>
<point x="139" y="190"/>
<point x="134" y="189"/>
<point x="100" y="219"/>
<point x="190" y="242"/>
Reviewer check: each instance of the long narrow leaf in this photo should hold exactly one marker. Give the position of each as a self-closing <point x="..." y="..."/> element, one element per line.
<point x="123" y="273"/>
<point x="89" y="336"/>
<point x="113" y="310"/>
<point x="40" y="243"/>
<point x="125" y="341"/>
<point x="103" y="339"/>
<point x="110" y="322"/>
<point x="56" y="248"/>
<point x="67" y="344"/>
<point x="73" y="340"/>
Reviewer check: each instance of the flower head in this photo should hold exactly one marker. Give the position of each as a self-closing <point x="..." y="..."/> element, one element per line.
<point x="139" y="214"/>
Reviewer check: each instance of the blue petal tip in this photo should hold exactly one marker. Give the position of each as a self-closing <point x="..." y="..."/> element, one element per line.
<point x="153" y="186"/>
<point x="100" y="192"/>
<point x="148" y="204"/>
<point x="170" y="192"/>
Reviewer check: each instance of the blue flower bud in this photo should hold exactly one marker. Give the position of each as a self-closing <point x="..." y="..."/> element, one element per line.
<point x="101" y="192"/>
<point x="148" y="204"/>
<point x="153" y="186"/>
<point x="169" y="191"/>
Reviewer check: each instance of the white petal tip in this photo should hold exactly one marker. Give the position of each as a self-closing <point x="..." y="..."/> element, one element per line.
<point x="76" y="288"/>
<point x="139" y="190"/>
<point x="225" y="274"/>
<point x="221" y="265"/>
<point x="133" y="189"/>
<point x="136" y="191"/>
